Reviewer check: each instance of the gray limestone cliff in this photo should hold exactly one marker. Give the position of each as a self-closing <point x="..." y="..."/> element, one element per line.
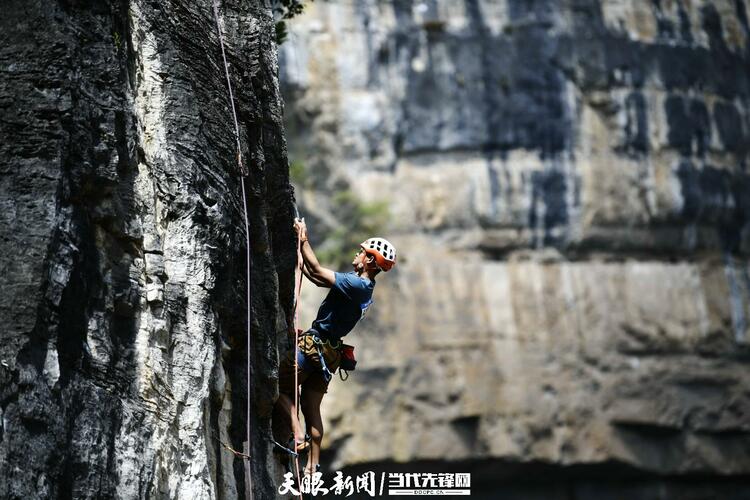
<point x="123" y="306"/>
<point x="568" y="188"/>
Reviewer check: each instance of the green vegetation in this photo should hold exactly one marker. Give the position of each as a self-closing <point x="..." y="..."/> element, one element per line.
<point x="298" y="174"/>
<point x="283" y="10"/>
<point x="281" y="32"/>
<point x="358" y="221"/>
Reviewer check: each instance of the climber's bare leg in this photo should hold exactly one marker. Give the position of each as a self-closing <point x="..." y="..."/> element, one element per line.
<point x="290" y="414"/>
<point x="311" y="409"/>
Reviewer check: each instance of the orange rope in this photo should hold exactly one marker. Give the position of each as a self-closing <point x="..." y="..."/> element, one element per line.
<point x="297" y="293"/>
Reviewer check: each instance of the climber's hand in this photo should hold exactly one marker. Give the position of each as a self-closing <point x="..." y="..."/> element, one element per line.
<point x="301" y="228"/>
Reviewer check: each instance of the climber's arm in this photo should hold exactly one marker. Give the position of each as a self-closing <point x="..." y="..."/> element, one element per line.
<point x="310" y="276"/>
<point x="318" y="274"/>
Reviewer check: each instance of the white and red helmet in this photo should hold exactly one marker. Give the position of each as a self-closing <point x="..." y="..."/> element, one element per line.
<point x="383" y="251"/>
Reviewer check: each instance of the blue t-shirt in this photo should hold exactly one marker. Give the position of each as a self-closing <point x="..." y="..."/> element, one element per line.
<point x="345" y="304"/>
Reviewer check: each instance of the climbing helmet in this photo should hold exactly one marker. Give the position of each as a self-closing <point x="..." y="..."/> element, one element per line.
<point x="383" y="251"/>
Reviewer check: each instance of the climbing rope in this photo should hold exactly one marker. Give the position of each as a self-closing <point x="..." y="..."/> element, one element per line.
<point x="217" y="17"/>
<point x="298" y="285"/>
<point x="243" y="173"/>
<point x="297" y="293"/>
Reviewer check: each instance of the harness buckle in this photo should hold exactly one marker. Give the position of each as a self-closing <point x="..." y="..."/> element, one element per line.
<point x="327" y="342"/>
<point x="319" y="342"/>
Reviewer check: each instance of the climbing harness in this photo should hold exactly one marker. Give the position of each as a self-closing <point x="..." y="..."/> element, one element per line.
<point x="318" y="340"/>
<point x="347" y="361"/>
<point x="319" y="344"/>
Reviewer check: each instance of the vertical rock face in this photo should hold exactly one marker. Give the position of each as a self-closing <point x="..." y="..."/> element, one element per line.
<point x="122" y="360"/>
<point x="569" y="192"/>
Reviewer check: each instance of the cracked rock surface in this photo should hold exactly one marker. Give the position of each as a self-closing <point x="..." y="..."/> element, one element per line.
<point x="123" y="341"/>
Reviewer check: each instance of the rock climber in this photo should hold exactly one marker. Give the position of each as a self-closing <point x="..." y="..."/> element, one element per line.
<point x="347" y="301"/>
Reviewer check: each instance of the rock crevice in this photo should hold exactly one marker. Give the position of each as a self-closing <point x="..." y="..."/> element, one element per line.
<point x="123" y="353"/>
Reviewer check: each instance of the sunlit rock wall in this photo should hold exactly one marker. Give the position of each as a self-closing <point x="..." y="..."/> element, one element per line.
<point x="122" y="346"/>
<point x="569" y="192"/>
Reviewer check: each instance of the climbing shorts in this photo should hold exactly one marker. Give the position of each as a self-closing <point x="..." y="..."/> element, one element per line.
<point x="310" y="374"/>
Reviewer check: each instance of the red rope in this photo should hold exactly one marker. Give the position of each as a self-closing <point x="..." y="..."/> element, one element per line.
<point x="297" y="293"/>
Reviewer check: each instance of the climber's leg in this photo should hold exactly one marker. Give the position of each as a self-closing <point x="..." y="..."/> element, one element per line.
<point x="311" y="399"/>
<point x="286" y="404"/>
<point x="286" y="396"/>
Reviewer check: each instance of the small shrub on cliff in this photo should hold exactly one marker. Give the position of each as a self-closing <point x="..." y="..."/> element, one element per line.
<point x="298" y="174"/>
<point x="358" y="221"/>
<point x="283" y="10"/>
